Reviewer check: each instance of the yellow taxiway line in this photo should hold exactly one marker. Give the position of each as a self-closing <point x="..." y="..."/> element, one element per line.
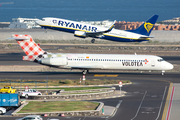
<point x="97" y="75"/>
<point x="167" y="102"/>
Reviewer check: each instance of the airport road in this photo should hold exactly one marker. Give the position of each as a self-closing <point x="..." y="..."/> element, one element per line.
<point x="145" y="98"/>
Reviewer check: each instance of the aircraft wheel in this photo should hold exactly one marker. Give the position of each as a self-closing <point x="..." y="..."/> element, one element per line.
<point x="163" y="72"/>
<point x="26" y="96"/>
<point x="1" y="112"/>
<point x="93" y="40"/>
<point x="85" y="72"/>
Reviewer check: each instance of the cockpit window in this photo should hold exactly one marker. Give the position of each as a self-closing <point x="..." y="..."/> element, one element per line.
<point x="159" y="60"/>
<point x="43" y="19"/>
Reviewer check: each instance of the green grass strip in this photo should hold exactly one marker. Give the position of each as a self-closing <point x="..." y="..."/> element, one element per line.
<point x="75" y="88"/>
<point x="55" y="106"/>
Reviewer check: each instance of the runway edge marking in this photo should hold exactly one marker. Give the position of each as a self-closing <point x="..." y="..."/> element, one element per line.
<point x="167" y="101"/>
<point x="170" y="104"/>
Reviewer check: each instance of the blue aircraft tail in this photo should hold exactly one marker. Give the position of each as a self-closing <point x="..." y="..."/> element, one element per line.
<point x="146" y="27"/>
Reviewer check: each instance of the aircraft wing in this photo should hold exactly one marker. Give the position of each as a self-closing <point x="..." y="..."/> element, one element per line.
<point x="94" y="34"/>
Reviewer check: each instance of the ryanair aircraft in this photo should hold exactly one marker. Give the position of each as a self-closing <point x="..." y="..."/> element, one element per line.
<point x="86" y="62"/>
<point x="85" y="30"/>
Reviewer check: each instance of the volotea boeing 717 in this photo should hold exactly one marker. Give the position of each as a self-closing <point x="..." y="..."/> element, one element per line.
<point x="86" y="62"/>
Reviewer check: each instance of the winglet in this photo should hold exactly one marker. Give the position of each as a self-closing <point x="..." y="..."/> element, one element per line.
<point x="111" y="27"/>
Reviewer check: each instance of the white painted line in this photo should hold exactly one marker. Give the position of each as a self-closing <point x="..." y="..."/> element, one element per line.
<point x="117" y="106"/>
<point x="161" y="102"/>
<point x="84" y="118"/>
<point x="139" y="106"/>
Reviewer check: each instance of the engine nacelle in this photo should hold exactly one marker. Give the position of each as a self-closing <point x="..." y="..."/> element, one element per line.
<point x="57" y="61"/>
<point x="80" y="34"/>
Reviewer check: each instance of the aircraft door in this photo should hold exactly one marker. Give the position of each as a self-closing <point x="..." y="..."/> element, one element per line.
<point x="153" y="63"/>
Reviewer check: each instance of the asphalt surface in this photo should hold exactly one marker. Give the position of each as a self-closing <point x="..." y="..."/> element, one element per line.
<point x="145" y="98"/>
<point x="16" y="59"/>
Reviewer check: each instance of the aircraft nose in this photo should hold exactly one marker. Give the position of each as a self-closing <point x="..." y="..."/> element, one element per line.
<point x="169" y="66"/>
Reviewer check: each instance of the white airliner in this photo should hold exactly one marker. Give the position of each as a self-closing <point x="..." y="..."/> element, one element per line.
<point x="86" y="30"/>
<point x="86" y="62"/>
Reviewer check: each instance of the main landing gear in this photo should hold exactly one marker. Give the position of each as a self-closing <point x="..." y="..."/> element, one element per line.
<point x="93" y="40"/>
<point x="85" y="72"/>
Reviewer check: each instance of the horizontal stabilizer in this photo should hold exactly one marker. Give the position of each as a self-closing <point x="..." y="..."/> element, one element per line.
<point x="144" y="37"/>
<point x="20" y="37"/>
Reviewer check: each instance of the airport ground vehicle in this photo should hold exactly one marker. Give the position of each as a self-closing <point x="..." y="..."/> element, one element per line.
<point x="9" y="100"/>
<point x="2" y="110"/>
<point x="7" y="89"/>
<point x="29" y="92"/>
<point x="31" y="117"/>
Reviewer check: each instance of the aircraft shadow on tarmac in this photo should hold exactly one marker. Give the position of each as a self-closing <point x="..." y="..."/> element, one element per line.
<point x="90" y="73"/>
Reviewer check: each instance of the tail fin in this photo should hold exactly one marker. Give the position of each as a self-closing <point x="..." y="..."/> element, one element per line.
<point x="31" y="49"/>
<point x="146" y="27"/>
<point x="28" y="45"/>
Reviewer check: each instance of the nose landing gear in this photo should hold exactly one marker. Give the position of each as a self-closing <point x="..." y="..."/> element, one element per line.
<point x="163" y="72"/>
